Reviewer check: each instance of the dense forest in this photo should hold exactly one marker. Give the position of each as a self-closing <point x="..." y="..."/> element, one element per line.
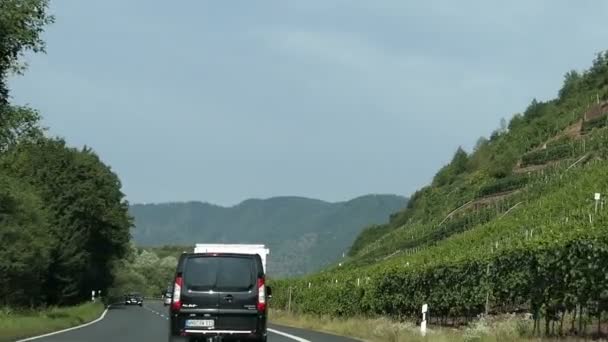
<point x="64" y="222"/>
<point x="513" y="226"/>
<point x="304" y="235"/>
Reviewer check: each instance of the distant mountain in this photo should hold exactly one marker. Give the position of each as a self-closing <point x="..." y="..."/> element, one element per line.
<point x="304" y="234"/>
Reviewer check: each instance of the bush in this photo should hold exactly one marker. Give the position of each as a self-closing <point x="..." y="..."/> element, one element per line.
<point x="503" y="185"/>
<point x="539" y="157"/>
<point x="595" y="123"/>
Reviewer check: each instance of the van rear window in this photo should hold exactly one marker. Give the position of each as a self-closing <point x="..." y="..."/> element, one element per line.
<point x="222" y="274"/>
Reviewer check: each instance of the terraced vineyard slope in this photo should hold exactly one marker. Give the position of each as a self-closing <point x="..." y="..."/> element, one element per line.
<point x="512" y="226"/>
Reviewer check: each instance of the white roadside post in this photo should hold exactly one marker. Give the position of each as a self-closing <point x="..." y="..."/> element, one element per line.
<point x="597" y="198"/>
<point x="425" y="309"/>
<point x="93" y="295"/>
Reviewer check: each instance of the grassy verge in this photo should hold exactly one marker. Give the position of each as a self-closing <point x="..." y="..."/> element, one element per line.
<point x="21" y="324"/>
<point x="506" y="328"/>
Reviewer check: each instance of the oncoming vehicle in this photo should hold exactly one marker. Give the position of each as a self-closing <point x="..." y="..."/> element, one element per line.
<point x="134" y="299"/>
<point x="219" y="295"/>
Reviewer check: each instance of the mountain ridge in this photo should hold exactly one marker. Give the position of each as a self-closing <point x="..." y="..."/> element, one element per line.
<point x="256" y="199"/>
<point x="305" y="234"/>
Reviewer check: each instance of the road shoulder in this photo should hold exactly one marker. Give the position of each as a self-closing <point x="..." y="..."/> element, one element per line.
<point x="74" y="327"/>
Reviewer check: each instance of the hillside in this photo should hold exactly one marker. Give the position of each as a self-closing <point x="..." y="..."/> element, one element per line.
<point x="511" y="226"/>
<point x="303" y="234"/>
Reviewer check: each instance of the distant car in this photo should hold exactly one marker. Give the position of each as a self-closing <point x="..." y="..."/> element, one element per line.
<point x="134" y="299"/>
<point x="167" y="298"/>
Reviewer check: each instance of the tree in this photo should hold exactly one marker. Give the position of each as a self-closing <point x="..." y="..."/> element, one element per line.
<point x="18" y="124"/>
<point x="516" y="121"/>
<point x="459" y="161"/>
<point x="503" y="163"/>
<point x="21" y="24"/>
<point x="481" y="143"/>
<point x="503" y="126"/>
<point x="26" y="243"/>
<point x="448" y="173"/>
<point x="533" y="110"/>
<point x="89" y="215"/>
<point x="571" y="83"/>
<point x="146" y="259"/>
<point x="168" y="262"/>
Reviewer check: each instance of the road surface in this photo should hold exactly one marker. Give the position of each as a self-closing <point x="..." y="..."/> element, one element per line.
<point x="150" y="323"/>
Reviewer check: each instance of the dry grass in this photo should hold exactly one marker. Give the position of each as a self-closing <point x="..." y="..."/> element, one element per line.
<point x="503" y="329"/>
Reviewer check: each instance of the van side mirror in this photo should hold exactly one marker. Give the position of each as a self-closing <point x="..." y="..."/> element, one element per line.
<point x="269" y="291"/>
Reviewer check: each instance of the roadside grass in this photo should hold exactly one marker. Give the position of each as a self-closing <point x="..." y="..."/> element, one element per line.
<point x="18" y="324"/>
<point x="504" y="329"/>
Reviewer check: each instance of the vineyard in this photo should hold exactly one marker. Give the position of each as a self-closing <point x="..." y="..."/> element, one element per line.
<point x="550" y="258"/>
<point x="483" y="239"/>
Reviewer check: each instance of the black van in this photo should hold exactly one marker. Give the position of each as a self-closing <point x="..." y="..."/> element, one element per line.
<point x="219" y="295"/>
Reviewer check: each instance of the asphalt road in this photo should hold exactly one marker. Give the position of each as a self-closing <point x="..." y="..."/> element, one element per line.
<point x="150" y="323"/>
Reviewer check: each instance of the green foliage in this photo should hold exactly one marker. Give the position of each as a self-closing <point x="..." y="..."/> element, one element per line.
<point x="168" y="250"/>
<point x="503" y="185"/>
<point x="63" y="218"/>
<point x="371" y="233"/>
<point x="21" y="25"/>
<point x="18" y="124"/>
<point x="89" y="224"/>
<point x="502" y="163"/>
<point x="572" y="81"/>
<point x="457" y="248"/>
<point x="597" y="122"/>
<point x="457" y="166"/>
<point x="549" y="154"/>
<point x="533" y="259"/>
<point x="25" y="241"/>
<point x="144" y="271"/>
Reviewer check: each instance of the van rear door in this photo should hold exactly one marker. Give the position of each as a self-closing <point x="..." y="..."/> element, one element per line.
<point x="238" y="292"/>
<point x="200" y="303"/>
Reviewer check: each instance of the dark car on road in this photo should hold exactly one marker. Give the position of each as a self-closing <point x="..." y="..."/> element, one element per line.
<point x="219" y="295"/>
<point x="134" y="299"/>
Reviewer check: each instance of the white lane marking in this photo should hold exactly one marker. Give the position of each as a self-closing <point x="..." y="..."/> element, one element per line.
<point x="69" y="329"/>
<point x="156" y="312"/>
<point x="289" y="336"/>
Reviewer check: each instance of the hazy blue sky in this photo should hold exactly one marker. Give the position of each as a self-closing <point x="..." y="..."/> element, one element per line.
<point x="225" y="100"/>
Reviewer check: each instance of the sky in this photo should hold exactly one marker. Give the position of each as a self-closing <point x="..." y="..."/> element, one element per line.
<point x="221" y="101"/>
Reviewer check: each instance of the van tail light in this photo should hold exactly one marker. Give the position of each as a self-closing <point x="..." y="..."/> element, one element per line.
<point x="261" y="295"/>
<point x="176" y="302"/>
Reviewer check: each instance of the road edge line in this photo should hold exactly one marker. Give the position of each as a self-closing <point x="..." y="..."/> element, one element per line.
<point x="284" y="334"/>
<point x="103" y="315"/>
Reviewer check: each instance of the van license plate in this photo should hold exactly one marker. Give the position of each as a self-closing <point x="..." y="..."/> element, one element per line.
<point x="200" y="323"/>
